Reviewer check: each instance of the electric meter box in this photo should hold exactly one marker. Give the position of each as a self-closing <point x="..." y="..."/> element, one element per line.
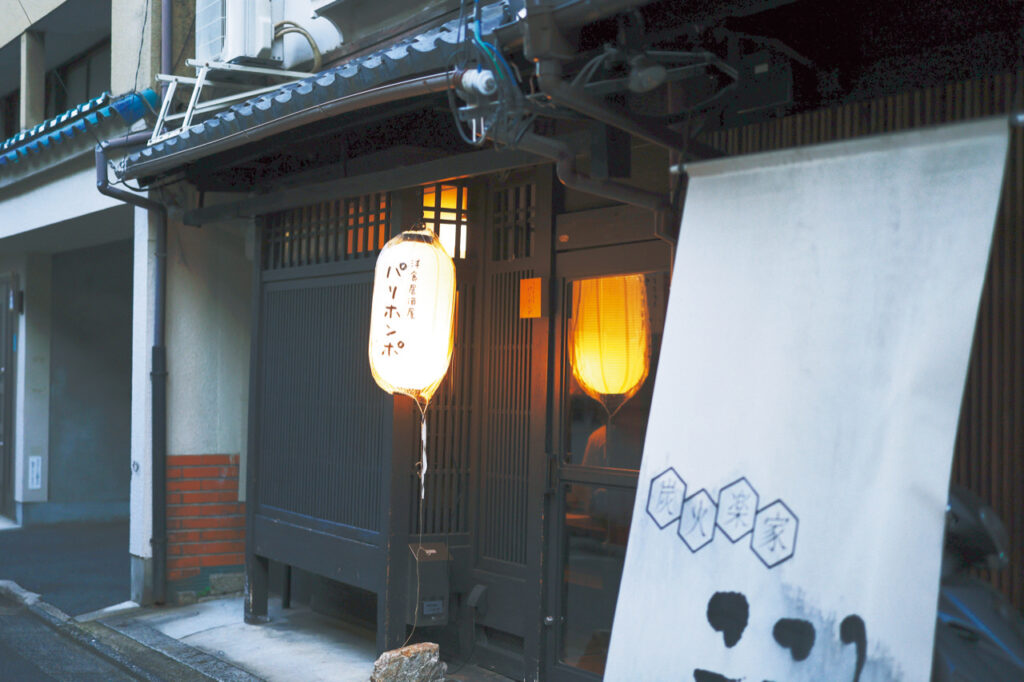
<point x="433" y="560"/>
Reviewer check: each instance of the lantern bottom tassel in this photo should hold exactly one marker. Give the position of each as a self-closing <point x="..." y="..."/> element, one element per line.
<point x="423" y="454"/>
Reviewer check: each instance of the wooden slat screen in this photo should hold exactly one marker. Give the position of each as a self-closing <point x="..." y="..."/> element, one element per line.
<point x="504" y="461"/>
<point x="322" y="419"/>
<point x="328" y="232"/>
<point x="449" y="448"/>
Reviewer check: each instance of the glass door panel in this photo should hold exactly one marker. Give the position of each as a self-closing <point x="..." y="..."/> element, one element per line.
<point x="611" y="336"/>
<point x="596" y="526"/>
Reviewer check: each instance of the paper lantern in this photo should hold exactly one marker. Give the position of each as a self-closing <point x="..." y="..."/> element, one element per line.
<point x="610" y="338"/>
<point x="412" y="315"/>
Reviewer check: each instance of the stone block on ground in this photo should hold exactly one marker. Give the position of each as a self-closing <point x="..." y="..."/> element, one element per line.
<point x="413" y="663"/>
<point x="225" y="583"/>
<point x="185" y="597"/>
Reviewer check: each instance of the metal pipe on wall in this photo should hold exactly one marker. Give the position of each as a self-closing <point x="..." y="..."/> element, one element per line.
<point x="158" y="372"/>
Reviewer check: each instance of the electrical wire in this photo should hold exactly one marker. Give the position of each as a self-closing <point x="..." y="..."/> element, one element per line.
<point x="508" y="112"/>
<point x="459" y="60"/>
<point x="185" y="43"/>
<point x="142" y="41"/>
<point x="419" y="547"/>
<point x="282" y="28"/>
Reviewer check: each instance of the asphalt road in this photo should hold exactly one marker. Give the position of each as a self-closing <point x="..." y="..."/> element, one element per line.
<point x="31" y="651"/>
<point x="77" y="567"/>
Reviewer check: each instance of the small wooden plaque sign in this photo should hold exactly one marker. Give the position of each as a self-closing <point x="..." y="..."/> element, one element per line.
<point x="530" y="298"/>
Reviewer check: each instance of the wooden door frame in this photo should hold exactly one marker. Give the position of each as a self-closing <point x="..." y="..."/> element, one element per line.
<point x="608" y="259"/>
<point x="526" y="611"/>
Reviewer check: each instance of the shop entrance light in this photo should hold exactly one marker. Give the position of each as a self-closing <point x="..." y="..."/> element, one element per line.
<point x="610" y="338"/>
<point x="412" y="316"/>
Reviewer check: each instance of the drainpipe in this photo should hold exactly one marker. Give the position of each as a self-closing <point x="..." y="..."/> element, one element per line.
<point x="158" y="375"/>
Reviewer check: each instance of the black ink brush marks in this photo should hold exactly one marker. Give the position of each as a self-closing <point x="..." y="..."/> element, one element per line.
<point x="796" y="635"/>
<point x="729" y="613"/>
<point x="853" y="631"/>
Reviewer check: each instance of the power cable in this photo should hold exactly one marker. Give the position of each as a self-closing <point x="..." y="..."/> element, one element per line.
<point x="142" y="41"/>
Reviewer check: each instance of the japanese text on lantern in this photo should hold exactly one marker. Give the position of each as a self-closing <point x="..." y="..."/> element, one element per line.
<point x="402" y="279"/>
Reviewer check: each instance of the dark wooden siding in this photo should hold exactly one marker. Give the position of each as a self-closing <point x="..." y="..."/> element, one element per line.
<point x="449" y="433"/>
<point x="989" y="455"/>
<point x="321" y="450"/>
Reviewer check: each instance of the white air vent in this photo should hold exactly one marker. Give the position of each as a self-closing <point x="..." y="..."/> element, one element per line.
<point x="233" y="30"/>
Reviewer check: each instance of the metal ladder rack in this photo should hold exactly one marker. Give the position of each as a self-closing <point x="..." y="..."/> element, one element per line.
<point x="201" y="80"/>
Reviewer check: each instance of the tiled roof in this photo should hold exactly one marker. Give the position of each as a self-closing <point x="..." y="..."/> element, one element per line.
<point x="74" y="123"/>
<point x="430" y="51"/>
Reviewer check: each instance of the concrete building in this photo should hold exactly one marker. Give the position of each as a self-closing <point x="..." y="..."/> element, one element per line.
<point x="79" y="270"/>
<point x="65" y="255"/>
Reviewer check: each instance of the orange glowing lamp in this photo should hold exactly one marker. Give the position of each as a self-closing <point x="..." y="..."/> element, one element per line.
<point x="610" y="338"/>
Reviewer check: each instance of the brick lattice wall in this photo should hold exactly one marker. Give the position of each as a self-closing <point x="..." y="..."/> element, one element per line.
<point x="205" y="520"/>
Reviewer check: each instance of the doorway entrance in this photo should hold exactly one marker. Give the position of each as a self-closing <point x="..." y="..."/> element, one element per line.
<point x="608" y="338"/>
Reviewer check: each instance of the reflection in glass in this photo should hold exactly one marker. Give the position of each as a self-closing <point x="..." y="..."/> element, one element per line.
<point x="599" y="437"/>
<point x="596" y="527"/>
<point x="603" y="434"/>
<point x="610" y="338"/>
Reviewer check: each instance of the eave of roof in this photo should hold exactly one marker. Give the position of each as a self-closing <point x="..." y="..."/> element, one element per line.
<point x="74" y="122"/>
<point x="71" y="134"/>
<point x="432" y="50"/>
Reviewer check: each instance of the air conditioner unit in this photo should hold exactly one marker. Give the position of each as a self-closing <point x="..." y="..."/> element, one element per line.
<point x="233" y="31"/>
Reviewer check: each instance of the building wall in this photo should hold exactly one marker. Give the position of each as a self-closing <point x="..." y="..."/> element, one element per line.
<point x="90" y="382"/>
<point x="205" y="524"/>
<point x="128" y="19"/>
<point x="53" y="211"/>
<point x="208" y="301"/>
<point x="32" y="410"/>
<point x="32" y="371"/>
<point x="207" y="338"/>
<point x="141" y="510"/>
<point x="50" y="198"/>
<point x="15" y="22"/>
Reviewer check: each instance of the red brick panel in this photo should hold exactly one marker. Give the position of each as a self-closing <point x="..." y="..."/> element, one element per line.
<point x="204" y="460"/>
<point x="205" y="520"/>
<point x="228" y="534"/>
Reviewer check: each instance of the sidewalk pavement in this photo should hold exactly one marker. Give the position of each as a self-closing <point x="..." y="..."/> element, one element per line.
<point x="209" y="640"/>
<point x="297" y="644"/>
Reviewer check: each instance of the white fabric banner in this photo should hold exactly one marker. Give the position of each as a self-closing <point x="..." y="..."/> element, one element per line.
<point x="789" y="515"/>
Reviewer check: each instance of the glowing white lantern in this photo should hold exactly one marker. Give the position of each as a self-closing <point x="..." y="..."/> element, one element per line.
<point x="412" y="315"/>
